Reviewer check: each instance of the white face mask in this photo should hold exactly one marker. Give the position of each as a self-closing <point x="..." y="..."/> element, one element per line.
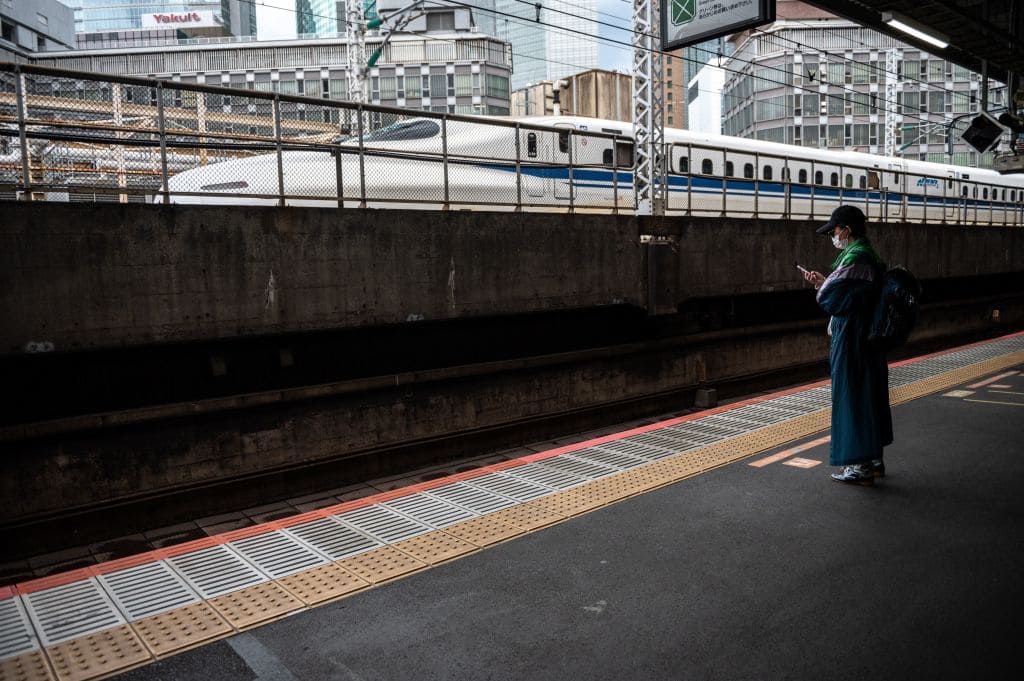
<point x="839" y="243"/>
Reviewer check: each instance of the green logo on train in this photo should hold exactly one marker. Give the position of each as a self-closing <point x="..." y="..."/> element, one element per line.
<point x="683" y="11"/>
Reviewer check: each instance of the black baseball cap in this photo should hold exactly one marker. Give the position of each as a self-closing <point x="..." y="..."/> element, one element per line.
<point x="844" y="216"/>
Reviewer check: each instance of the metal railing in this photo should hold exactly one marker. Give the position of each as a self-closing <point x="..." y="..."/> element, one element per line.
<point x="68" y="135"/>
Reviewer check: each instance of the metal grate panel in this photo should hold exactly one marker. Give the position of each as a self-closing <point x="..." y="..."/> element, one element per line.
<point x="383" y="523"/>
<point x="429" y="510"/>
<point x="147" y="590"/>
<point x="663" y="438"/>
<point x="632" y="447"/>
<point x="542" y="475"/>
<point x="615" y="459"/>
<point x="725" y="425"/>
<point x="215" y="571"/>
<point x="578" y="467"/>
<point x="476" y="500"/>
<point x="332" y="539"/>
<point x="16" y="635"/>
<point x="758" y="414"/>
<point x="66" y="612"/>
<point x="277" y="554"/>
<point x="506" y="486"/>
<point x="691" y="435"/>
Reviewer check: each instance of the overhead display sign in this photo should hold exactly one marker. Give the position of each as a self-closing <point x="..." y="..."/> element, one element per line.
<point x="687" y="22"/>
<point x="180" y="20"/>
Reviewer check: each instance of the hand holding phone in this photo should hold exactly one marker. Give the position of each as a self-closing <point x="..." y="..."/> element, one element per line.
<point x="801" y="268"/>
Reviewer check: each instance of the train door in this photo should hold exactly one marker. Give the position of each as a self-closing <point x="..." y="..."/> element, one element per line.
<point x="893" y="194"/>
<point x="952" y="196"/>
<point x="535" y="153"/>
<point x="562" y="178"/>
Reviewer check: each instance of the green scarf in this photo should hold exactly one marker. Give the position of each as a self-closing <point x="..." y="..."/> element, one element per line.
<point x="858" y="251"/>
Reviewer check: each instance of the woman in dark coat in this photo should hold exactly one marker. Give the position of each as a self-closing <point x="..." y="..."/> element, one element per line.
<point x="861" y="419"/>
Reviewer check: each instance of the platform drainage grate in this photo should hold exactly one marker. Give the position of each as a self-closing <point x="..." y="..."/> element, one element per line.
<point x="66" y="612"/>
<point x="429" y="510"/>
<point x="551" y="478"/>
<point x="332" y="539"/>
<point x="506" y="486"/>
<point x="147" y="590"/>
<point x="383" y="524"/>
<point x="474" y="499"/>
<point x="215" y="571"/>
<point x="277" y="554"/>
<point x="16" y="635"/>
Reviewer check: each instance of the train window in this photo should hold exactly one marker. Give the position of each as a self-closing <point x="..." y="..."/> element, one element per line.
<point x="1013" y="195"/>
<point x="748" y="170"/>
<point x="949" y="183"/>
<point x="766" y="172"/>
<point x="785" y="174"/>
<point x="730" y="170"/>
<point x="707" y="167"/>
<point x="873" y="179"/>
<point x="984" y="193"/>
<point x="1004" y="194"/>
<point x="409" y="130"/>
<point x="863" y="182"/>
<point x="819" y="178"/>
<point x="975" y="192"/>
<point x="606" y="157"/>
<point x="531" y="145"/>
<point x="624" y="154"/>
<point x="964" y="192"/>
<point x="563" y="142"/>
<point x="801" y="176"/>
<point x="684" y="164"/>
<point x="848" y="182"/>
<point x="834" y="179"/>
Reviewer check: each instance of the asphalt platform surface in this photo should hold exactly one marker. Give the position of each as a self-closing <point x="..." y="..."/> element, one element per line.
<point x="740" y="573"/>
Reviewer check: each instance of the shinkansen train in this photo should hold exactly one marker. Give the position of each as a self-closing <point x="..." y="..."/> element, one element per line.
<point x="559" y="163"/>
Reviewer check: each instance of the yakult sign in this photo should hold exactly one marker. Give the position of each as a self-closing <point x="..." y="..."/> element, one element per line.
<point x="179" y="20"/>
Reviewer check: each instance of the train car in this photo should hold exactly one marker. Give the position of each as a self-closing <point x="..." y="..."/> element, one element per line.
<point x="558" y="163"/>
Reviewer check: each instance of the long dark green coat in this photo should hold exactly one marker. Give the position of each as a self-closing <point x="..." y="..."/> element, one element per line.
<point x="861" y="419"/>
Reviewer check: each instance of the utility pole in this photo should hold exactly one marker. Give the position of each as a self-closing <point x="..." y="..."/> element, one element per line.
<point x="648" y="116"/>
<point x="355" y="38"/>
<point x="891" y="81"/>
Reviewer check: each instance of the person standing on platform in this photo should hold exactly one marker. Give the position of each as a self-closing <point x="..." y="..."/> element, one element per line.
<point x="861" y="418"/>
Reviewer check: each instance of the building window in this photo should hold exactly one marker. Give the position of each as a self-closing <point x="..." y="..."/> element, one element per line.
<point x="41" y="18"/>
<point x="8" y="31"/>
<point x="441" y="21"/>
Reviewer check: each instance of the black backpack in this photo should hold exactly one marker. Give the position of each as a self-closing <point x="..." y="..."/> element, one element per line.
<point x="896" y="309"/>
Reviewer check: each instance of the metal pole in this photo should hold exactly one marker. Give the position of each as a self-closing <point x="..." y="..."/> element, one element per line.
<point x="572" y="188"/>
<point x="362" y="157"/>
<point x="339" y="180"/>
<point x="162" y="127"/>
<point x="689" y="179"/>
<point x="280" y="156"/>
<point x="26" y="171"/>
<point x="122" y="178"/>
<point x="757" y="184"/>
<point x="787" y="207"/>
<point x="444" y="158"/>
<point x="519" y="169"/>
<point x="814" y="185"/>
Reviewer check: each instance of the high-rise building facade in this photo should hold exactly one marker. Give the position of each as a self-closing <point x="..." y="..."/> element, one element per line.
<point x="39" y="26"/>
<point x="550" y="40"/>
<point x="816" y="80"/>
<point x="319" y="17"/>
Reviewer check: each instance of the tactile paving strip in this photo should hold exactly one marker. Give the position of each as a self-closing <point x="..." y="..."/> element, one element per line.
<point x="68" y="611"/>
<point x="215" y="571"/>
<point x="322" y="584"/>
<point x="99" y="654"/>
<point x="435" y="547"/>
<point x="383" y="524"/>
<point x="31" y="666"/>
<point x="277" y="554"/>
<point x="529" y="516"/>
<point x="182" y="628"/>
<point x="380" y="565"/>
<point x="429" y="510"/>
<point x="477" y="500"/>
<point x="331" y="538"/>
<point x="148" y="589"/>
<point x="255" y="605"/>
<point x="484" y="531"/>
<point x="16" y="634"/>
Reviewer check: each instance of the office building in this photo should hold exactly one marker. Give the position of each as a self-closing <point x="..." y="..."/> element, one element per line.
<point x="39" y="26"/>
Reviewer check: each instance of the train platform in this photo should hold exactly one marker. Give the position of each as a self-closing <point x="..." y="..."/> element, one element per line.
<point x="708" y="546"/>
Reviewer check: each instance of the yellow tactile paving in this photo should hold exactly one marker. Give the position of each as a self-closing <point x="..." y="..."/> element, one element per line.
<point x="529" y="516"/>
<point x="322" y="584"/>
<point x="484" y="531"/>
<point x="382" y="564"/>
<point x="255" y="605"/>
<point x="181" y="628"/>
<point x="949" y="379"/>
<point x="31" y="666"/>
<point x="101" y="654"/>
<point x="435" y="547"/>
<point x="570" y="502"/>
